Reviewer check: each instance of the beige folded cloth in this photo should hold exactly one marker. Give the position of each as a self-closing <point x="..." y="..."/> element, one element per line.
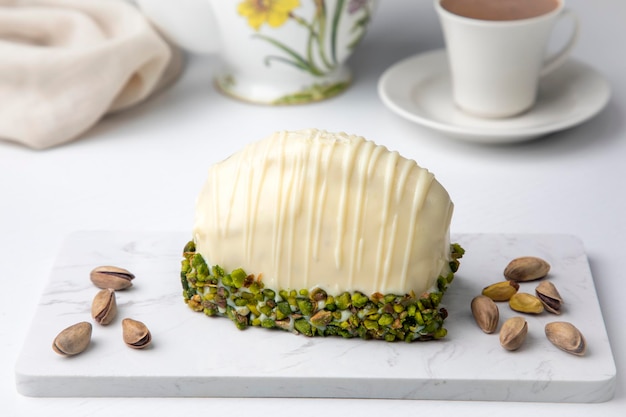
<point x="66" y="63"/>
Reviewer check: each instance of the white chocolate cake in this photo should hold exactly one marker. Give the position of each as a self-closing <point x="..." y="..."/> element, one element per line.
<point x="315" y="209"/>
<point x="310" y="210"/>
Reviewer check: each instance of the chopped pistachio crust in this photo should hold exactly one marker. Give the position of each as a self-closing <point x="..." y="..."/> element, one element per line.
<point x="243" y="298"/>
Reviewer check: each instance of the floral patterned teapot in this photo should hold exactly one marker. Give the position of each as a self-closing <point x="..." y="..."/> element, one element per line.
<point x="272" y="51"/>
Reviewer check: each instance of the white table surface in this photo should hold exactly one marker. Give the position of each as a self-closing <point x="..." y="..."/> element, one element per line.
<point x="141" y="170"/>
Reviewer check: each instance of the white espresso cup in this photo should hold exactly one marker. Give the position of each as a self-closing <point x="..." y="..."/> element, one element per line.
<point x="272" y="51"/>
<point x="497" y="51"/>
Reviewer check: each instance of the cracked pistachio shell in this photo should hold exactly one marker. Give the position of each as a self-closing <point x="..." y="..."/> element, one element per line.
<point x="513" y="333"/>
<point x="111" y="277"/>
<point x="135" y="334"/>
<point x="104" y="306"/>
<point x="73" y="340"/>
<point x="566" y="337"/>
<point x="549" y="296"/>
<point x="486" y="313"/>
<point x="526" y="268"/>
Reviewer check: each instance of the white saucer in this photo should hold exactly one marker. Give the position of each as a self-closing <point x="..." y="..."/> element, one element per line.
<point x="418" y="88"/>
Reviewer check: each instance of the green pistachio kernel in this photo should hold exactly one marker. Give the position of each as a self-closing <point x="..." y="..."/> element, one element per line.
<point x="240" y="302"/>
<point x="227" y="280"/>
<point x="265" y="309"/>
<point x="268" y="323"/>
<point x="440" y="333"/>
<point x="343" y="301"/>
<point x="218" y="271"/>
<point x="190" y="247"/>
<point x="442" y="283"/>
<point x="430" y="327"/>
<point x="197" y="260"/>
<point x="389" y="298"/>
<point x="370" y="324"/>
<point x="284" y="308"/>
<point x="305" y="306"/>
<point x="247" y="295"/>
<point x="435" y="298"/>
<point x="373" y="316"/>
<point x="330" y="304"/>
<point x="255" y="287"/>
<point x="411" y="309"/>
<point x="303" y="326"/>
<point x="185" y="266"/>
<point x="385" y="320"/>
<point x="210" y="311"/>
<point x="253" y="309"/>
<point x="202" y="271"/>
<point x="238" y="276"/>
<point x="419" y="318"/>
<point x="359" y="300"/>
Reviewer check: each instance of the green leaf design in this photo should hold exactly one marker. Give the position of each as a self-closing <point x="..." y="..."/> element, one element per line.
<point x="303" y="65"/>
<point x="298" y="60"/>
<point x="359" y="27"/>
<point x="335" y="29"/>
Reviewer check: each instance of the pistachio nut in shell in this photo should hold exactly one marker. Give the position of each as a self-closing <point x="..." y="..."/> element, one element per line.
<point x="73" y="340"/>
<point x="526" y="268"/>
<point x="135" y="334"/>
<point x="566" y="337"/>
<point x="104" y="306"/>
<point x="526" y="303"/>
<point x="486" y="313"/>
<point x="111" y="277"/>
<point x="501" y="291"/>
<point x="513" y="333"/>
<point x="549" y="296"/>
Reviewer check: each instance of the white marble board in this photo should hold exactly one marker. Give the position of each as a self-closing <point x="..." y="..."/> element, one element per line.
<point x="196" y="356"/>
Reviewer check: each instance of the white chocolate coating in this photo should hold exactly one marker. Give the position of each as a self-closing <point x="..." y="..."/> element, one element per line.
<point x="313" y="209"/>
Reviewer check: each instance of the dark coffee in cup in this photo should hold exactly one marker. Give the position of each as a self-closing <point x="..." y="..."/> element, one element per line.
<point x="499" y="9"/>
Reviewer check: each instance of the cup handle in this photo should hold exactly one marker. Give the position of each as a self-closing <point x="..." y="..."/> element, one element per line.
<point x="559" y="58"/>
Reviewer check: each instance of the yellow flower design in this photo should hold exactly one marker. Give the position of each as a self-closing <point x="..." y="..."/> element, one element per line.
<point x="274" y="12"/>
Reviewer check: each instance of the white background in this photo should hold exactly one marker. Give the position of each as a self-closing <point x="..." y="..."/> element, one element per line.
<point x="141" y="170"/>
